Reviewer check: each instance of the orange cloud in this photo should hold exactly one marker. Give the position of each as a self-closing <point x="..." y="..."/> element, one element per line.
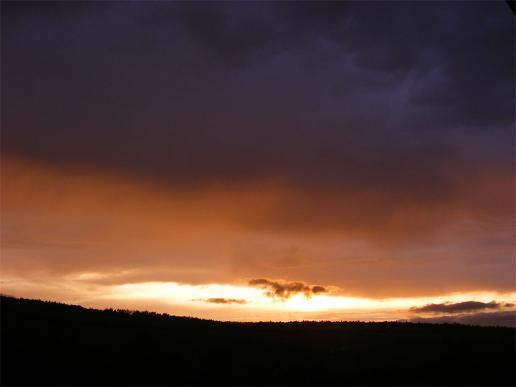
<point x="59" y="221"/>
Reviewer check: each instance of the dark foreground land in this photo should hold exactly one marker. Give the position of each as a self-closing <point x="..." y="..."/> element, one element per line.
<point x="44" y="343"/>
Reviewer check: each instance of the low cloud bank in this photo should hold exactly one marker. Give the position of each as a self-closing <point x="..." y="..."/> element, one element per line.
<point x="459" y="307"/>
<point x="502" y="319"/>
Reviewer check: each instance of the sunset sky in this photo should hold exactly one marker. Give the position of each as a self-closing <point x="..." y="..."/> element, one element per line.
<point x="260" y="160"/>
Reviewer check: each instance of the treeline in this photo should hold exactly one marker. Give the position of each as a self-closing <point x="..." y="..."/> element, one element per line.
<point x="46" y="343"/>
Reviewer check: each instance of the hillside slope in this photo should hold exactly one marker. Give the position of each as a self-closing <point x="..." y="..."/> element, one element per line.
<point x="45" y="343"/>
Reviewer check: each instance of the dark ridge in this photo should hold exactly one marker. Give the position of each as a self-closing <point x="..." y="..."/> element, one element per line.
<point x="48" y="343"/>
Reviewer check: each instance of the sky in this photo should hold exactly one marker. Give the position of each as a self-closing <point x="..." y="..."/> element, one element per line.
<point x="260" y="160"/>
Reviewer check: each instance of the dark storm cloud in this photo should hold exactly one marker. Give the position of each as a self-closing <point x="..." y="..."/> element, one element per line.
<point x="285" y="290"/>
<point x="214" y="90"/>
<point x="388" y="38"/>
<point x="392" y="106"/>
<point x="459" y="307"/>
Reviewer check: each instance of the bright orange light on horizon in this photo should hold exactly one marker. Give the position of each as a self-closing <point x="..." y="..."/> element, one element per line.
<point x="244" y="303"/>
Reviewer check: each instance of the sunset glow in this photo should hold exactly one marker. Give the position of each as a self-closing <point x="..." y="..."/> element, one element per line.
<point x="323" y="172"/>
<point x="232" y="301"/>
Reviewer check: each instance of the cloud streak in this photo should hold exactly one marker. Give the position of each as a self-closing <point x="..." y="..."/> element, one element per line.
<point x="225" y="301"/>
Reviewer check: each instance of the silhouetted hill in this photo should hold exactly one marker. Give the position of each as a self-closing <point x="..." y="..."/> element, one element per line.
<point x="47" y="343"/>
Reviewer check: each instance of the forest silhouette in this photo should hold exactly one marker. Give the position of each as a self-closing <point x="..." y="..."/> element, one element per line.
<point x="48" y="343"/>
